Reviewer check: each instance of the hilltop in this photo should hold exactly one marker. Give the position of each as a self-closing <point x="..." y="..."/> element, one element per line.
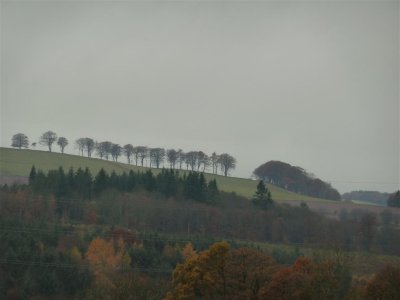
<point x="15" y="162"/>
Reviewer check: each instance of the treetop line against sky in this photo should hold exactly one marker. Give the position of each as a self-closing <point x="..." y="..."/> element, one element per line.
<point x="310" y="83"/>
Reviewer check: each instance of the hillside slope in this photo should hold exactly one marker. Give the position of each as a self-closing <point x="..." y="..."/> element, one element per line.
<point x="15" y="162"/>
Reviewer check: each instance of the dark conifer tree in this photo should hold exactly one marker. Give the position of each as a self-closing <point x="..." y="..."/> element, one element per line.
<point x="131" y="181"/>
<point x="212" y="191"/>
<point x="101" y="181"/>
<point x="262" y="197"/>
<point x="32" y="175"/>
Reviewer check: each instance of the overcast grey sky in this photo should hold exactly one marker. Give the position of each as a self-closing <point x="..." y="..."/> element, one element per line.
<point x="314" y="84"/>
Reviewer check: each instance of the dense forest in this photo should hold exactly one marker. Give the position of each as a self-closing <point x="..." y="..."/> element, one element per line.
<point x="143" y="236"/>
<point x="295" y="179"/>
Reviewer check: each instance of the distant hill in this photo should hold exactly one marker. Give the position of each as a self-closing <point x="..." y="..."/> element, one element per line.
<point x="373" y="197"/>
<point x="16" y="163"/>
<point x="295" y="179"/>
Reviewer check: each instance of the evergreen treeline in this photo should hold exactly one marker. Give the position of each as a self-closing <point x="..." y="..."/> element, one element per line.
<point x="81" y="183"/>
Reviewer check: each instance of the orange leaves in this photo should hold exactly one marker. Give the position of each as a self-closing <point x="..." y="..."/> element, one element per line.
<point x="304" y="280"/>
<point x="249" y="270"/>
<point x="202" y="275"/>
<point x="219" y="273"/>
<point x="104" y="258"/>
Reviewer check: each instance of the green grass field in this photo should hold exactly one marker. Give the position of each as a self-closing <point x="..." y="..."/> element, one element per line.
<point x="19" y="162"/>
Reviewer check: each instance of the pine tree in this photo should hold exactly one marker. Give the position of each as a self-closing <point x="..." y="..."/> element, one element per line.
<point x="262" y="197"/>
<point x="212" y="191"/>
<point x="32" y="175"/>
<point x="101" y="181"/>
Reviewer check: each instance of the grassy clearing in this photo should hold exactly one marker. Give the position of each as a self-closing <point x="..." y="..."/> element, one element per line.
<point x="19" y="162"/>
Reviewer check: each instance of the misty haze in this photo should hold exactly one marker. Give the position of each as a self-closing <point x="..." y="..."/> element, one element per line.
<point x="199" y="150"/>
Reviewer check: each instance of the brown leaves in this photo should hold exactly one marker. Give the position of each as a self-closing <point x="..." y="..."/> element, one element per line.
<point x="219" y="273"/>
<point x="104" y="259"/>
<point x="385" y="285"/>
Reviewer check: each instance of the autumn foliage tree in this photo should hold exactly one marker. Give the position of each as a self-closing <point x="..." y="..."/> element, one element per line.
<point x="203" y="275"/>
<point x="306" y="280"/>
<point x="385" y="285"/>
<point x="105" y="258"/>
<point x="220" y="273"/>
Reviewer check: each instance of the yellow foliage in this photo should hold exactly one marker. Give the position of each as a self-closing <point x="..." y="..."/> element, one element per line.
<point x="188" y="251"/>
<point x="202" y="275"/>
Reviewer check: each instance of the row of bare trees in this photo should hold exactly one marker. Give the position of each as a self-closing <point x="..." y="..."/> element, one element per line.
<point x="156" y="157"/>
<point x="139" y="155"/>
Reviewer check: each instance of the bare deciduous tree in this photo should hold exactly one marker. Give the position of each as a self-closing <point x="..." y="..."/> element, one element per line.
<point x="227" y="163"/>
<point x="172" y="156"/>
<point x="181" y="158"/>
<point x="214" y="162"/>
<point x="62" y="142"/>
<point x="143" y="153"/>
<point x="89" y="146"/>
<point x="202" y="159"/>
<point x="48" y="138"/>
<point x="128" y="151"/>
<point x="157" y="156"/>
<point x="191" y="160"/>
<point x="116" y="151"/>
<point x="103" y="149"/>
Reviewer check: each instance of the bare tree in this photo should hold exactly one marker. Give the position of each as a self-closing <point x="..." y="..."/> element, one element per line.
<point x="62" y="142"/>
<point x="143" y="153"/>
<point x="128" y="151"/>
<point x="103" y="149"/>
<point x="214" y="162"/>
<point x="80" y="145"/>
<point x="116" y="151"/>
<point x="227" y="163"/>
<point x="205" y="161"/>
<point x="89" y="146"/>
<point x="172" y="156"/>
<point x="181" y="158"/>
<point x="33" y="145"/>
<point x="191" y="159"/>
<point x="157" y="156"/>
<point x="48" y="138"/>
<point x="20" y="140"/>
<point x="202" y="159"/>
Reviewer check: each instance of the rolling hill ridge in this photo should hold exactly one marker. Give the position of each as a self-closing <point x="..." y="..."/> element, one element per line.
<point x="15" y="162"/>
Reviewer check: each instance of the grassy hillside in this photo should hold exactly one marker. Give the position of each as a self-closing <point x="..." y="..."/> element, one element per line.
<point x="19" y="162"/>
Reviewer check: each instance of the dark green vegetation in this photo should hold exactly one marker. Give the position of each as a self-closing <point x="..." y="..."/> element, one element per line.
<point x="394" y="200"/>
<point x="295" y="179"/>
<point x="114" y="236"/>
<point x="372" y="197"/>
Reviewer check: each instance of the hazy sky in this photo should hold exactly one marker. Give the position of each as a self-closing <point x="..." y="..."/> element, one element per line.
<point x="314" y="84"/>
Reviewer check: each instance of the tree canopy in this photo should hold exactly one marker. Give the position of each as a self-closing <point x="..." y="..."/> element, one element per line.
<point x="20" y="140"/>
<point x="295" y="179"/>
<point x="48" y="138"/>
